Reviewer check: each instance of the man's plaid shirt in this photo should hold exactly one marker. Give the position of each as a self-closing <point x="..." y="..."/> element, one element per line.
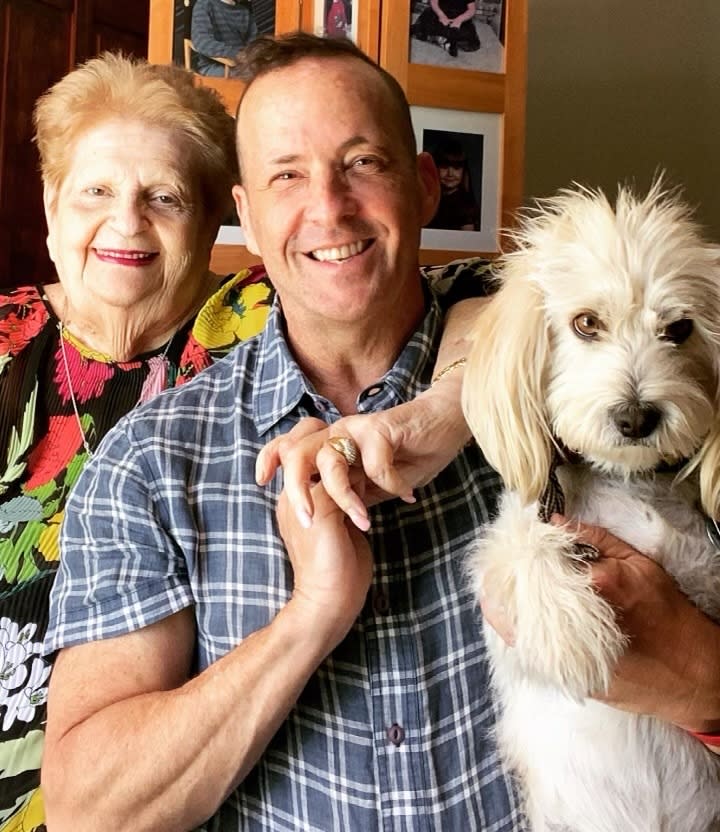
<point x="394" y="732"/>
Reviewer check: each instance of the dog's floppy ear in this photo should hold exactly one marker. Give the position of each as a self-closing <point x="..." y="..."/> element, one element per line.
<point x="503" y="388"/>
<point x="709" y="459"/>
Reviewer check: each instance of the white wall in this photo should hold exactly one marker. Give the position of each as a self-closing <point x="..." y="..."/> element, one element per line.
<point x="618" y="88"/>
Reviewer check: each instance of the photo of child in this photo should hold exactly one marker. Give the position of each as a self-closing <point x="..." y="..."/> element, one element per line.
<point x="459" y="159"/>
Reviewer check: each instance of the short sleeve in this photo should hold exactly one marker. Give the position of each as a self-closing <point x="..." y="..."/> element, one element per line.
<point x="120" y="567"/>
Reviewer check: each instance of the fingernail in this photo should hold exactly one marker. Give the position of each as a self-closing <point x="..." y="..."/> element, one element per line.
<point x="304" y="518"/>
<point x="409" y="498"/>
<point x="360" y="520"/>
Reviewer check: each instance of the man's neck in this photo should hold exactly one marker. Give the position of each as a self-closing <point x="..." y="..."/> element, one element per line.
<point x="342" y="361"/>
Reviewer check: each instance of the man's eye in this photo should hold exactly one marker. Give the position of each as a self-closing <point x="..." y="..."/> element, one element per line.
<point x="365" y="162"/>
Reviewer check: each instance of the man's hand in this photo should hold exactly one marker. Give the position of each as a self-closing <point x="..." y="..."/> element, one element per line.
<point x="332" y="565"/>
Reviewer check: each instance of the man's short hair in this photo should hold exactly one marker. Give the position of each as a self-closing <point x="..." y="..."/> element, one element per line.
<point x="268" y="53"/>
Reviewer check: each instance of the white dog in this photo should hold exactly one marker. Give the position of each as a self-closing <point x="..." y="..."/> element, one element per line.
<point x="598" y="360"/>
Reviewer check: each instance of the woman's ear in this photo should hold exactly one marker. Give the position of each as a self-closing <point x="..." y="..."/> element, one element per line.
<point x="429" y="186"/>
<point x="50" y="196"/>
<point x="243" y="211"/>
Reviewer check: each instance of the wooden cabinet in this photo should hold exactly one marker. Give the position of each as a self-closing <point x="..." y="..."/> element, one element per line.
<point x="471" y="98"/>
<point x="44" y="39"/>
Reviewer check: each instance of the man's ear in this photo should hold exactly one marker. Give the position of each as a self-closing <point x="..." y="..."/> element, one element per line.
<point x="50" y="197"/>
<point x="429" y="180"/>
<point x="243" y="211"/>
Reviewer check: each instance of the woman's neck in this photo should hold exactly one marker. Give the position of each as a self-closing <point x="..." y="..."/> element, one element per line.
<point x="121" y="334"/>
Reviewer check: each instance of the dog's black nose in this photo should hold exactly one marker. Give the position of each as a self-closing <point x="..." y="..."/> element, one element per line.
<point x="636" y="420"/>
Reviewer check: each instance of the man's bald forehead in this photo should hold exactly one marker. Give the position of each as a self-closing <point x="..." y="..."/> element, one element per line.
<point x="390" y="98"/>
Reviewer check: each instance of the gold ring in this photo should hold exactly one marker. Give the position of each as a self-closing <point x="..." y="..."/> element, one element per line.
<point x="346" y="447"/>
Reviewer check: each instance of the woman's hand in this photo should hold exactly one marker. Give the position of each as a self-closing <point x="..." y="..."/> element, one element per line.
<point x="400" y="449"/>
<point x="671" y="668"/>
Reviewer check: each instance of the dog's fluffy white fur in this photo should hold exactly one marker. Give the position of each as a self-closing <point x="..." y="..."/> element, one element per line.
<point x="604" y="337"/>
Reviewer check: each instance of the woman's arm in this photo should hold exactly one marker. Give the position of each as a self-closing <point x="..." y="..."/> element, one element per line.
<point x="400" y="449"/>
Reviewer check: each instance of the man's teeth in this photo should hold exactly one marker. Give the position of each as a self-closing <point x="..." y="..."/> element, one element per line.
<point x="338" y="253"/>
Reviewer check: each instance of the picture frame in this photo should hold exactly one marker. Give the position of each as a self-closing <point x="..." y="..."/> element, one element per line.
<point x="446" y="83"/>
<point x="364" y="17"/>
<point x="466" y="149"/>
<point x="168" y="19"/>
<point x="473" y="39"/>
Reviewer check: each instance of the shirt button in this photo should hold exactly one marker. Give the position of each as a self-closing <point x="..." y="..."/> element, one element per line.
<point x="373" y="391"/>
<point x="396" y="734"/>
<point x="381" y="603"/>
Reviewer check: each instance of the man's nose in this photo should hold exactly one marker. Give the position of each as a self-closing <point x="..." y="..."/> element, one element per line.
<point x="331" y="197"/>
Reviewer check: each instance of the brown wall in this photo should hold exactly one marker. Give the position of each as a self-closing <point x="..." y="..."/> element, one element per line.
<point x="618" y="88"/>
<point x="40" y="41"/>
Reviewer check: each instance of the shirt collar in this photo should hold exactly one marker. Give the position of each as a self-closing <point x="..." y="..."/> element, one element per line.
<point x="280" y="385"/>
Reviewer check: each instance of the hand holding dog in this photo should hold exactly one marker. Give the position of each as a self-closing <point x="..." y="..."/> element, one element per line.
<point x="671" y="668"/>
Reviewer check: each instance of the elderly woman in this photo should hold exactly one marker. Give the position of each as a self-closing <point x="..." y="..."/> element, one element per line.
<point x="137" y="165"/>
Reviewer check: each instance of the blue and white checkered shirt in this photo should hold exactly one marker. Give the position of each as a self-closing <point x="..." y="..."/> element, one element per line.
<point x="394" y="731"/>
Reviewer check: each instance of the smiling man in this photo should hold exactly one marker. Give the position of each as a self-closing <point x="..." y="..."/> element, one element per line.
<point x="223" y="663"/>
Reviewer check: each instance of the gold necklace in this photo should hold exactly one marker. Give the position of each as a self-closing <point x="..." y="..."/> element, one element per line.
<point x="66" y="365"/>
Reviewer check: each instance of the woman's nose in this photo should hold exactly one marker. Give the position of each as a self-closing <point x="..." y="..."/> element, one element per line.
<point x="129" y="217"/>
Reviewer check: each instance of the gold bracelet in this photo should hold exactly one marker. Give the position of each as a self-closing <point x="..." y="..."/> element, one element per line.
<point x="445" y="370"/>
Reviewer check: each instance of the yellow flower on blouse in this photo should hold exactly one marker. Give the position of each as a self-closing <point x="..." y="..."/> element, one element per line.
<point x="232" y="315"/>
<point x="48" y="540"/>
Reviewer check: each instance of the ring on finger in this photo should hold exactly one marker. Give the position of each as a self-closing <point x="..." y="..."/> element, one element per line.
<point x="346" y="447"/>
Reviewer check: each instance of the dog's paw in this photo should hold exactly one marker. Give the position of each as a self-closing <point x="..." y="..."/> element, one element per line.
<point x="563" y="633"/>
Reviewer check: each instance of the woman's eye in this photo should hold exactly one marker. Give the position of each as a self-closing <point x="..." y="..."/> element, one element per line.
<point x="678" y="331"/>
<point x="165" y="199"/>
<point x="587" y="325"/>
<point x="95" y="190"/>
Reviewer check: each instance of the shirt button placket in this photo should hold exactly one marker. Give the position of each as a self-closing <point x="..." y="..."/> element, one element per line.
<point x="396" y="734"/>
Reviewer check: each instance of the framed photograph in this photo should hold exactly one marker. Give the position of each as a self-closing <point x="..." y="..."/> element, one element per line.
<point x="208" y="35"/>
<point x="454" y="60"/>
<point x="205" y="36"/>
<point x="457" y="34"/>
<point x="336" y="19"/>
<point x="357" y="20"/>
<point x="466" y="150"/>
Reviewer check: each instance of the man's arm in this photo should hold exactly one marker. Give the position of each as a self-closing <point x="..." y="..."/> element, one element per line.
<point x="132" y="742"/>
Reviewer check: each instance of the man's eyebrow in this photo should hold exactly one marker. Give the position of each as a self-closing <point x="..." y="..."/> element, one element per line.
<point x="285" y="160"/>
<point x="353" y="141"/>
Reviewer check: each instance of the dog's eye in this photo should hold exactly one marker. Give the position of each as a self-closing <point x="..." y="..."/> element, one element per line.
<point x="587" y="325"/>
<point x="678" y="331"/>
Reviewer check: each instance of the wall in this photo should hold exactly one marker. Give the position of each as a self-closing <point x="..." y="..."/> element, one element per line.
<point x="618" y="88"/>
<point x="40" y="41"/>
